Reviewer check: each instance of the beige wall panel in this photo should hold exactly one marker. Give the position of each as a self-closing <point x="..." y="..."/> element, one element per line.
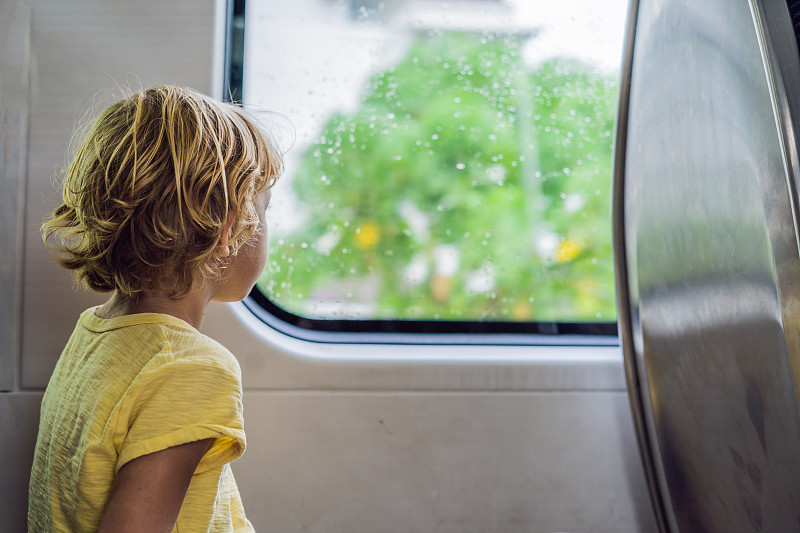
<point x="19" y="423"/>
<point x="81" y="51"/>
<point x="460" y="463"/>
<point x="15" y="34"/>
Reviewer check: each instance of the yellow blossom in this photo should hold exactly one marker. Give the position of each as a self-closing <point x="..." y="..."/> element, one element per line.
<point x="567" y="251"/>
<point x="521" y="312"/>
<point x="367" y="235"/>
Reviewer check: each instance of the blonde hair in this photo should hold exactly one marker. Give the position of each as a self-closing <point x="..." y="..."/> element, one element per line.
<point x="152" y="187"/>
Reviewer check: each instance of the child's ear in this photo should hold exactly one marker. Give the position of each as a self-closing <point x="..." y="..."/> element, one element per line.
<point x="223" y="241"/>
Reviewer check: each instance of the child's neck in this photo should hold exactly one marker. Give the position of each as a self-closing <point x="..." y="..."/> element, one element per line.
<point x="190" y="308"/>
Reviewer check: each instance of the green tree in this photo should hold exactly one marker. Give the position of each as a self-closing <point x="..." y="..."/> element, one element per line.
<point x="465" y="187"/>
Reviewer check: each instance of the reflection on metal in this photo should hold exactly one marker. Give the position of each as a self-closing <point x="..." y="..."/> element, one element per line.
<point x="708" y="267"/>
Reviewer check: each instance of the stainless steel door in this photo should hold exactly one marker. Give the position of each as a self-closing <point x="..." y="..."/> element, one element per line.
<point x="708" y="269"/>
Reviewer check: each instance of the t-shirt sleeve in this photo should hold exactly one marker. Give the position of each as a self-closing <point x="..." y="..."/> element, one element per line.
<point x="184" y="401"/>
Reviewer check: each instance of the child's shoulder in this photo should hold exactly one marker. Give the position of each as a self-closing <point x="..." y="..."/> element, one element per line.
<point x="191" y="346"/>
<point x="171" y="339"/>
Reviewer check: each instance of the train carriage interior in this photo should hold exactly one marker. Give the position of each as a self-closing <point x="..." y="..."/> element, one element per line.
<point x="527" y="268"/>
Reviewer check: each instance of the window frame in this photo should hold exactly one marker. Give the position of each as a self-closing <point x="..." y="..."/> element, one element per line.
<point x="399" y="331"/>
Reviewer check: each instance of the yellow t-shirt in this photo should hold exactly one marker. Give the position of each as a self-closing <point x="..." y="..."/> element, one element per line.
<point x="126" y="387"/>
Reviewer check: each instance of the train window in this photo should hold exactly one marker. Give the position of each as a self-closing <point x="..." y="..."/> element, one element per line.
<point x="451" y="167"/>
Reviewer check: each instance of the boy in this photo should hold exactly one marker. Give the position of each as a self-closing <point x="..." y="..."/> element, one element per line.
<point x="163" y="205"/>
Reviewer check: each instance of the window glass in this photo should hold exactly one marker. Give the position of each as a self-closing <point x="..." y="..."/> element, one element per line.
<point x="452" y="160"/>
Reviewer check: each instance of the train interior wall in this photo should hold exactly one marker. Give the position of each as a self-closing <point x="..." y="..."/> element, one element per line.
<point x="340" y="438"/>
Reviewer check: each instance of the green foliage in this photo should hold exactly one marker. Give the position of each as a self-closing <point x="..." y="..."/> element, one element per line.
<point x="462" y="161"/>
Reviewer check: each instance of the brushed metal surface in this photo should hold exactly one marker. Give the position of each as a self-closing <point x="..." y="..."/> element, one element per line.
<point x="709" y="258"/>
<point x="779" y="49"/>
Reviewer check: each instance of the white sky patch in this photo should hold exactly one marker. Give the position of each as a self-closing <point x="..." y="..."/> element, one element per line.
<point x="481" y="280"/>
<point x="327" y="242"/>
<point x="545" y="242"/>
<point x="417" y="221"/>
<point x="573" y="202"/>
<point x="417" y="271"/>
<point x="496" y="174"/>
<point x="583" y="29"/>
<point x="447" y="260"/>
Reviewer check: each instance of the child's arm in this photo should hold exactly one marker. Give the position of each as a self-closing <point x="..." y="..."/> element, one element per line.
<point x="149" y="490"/>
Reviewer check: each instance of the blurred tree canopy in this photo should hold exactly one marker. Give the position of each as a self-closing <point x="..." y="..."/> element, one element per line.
<point x="467" y="186"/>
